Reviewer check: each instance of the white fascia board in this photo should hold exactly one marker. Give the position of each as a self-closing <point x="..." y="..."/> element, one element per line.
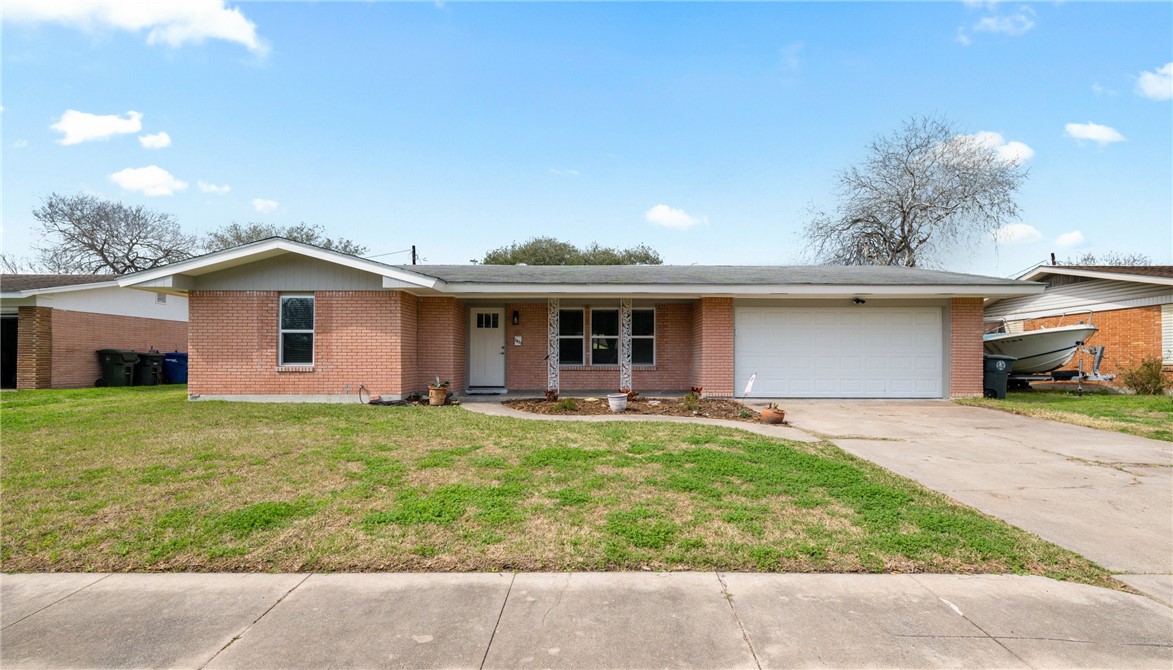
<point x="1094" y="274"/>
<point x="62" y="289"/>
<point x="396" y="283"/>
<point x="265" y="249"/>
<point x="773" y="290"/>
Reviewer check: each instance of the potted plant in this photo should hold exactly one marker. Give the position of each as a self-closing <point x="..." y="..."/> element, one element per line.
<point x="773" y="414"/>
<point x="618" y="402"/>
<point x="438" y="392"/>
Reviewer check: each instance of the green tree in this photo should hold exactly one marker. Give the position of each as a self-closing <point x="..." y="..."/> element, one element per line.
<point x="549" y="251"/>
<point x="235" y="234"/>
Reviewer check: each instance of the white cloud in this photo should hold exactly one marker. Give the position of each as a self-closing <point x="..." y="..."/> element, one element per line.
<point x="1012" y="152"/>
<point x="212" y="188"/>
<point x="663" y="215"/>
<point x="170" y="23"/>
<point x="564" y="173"/>
<point x="20" y="144"/>
<point x="792" y="57"/>
<point x="1068" y="240"/>
<point x="963" y="37"/>
<point x="264" y="206"/>
<point x="1099" y="89"/>
<point x="1093" y="132"/>
<point x="81" y="127"/>
<point x="150" y="180"/>
<point x="1157" y="84"/>
<point x="1014" y="24"/>
<point x="156" y="141"/>
<point x="1017" y="233"/>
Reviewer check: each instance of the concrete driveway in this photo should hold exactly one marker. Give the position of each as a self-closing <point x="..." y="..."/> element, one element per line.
<point x="1104" y="495"/>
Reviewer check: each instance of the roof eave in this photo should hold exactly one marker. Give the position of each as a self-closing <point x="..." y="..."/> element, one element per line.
<point x="1093" y="274"/>
<point x="268" y="248"/>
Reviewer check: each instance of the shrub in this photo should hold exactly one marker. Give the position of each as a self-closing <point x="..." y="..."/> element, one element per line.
<point x="567" y="405"/>
<point x="1146" y="378"/>
<point x="691" y="401"/>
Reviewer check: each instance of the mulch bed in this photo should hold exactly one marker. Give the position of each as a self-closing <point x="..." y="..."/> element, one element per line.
<point x="711" y="408"/>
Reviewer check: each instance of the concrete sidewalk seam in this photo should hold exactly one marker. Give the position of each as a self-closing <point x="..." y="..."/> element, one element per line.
<point x="497" y="624"/>
<point x="971" y="622"/>
<point x="736" y="617"/>
<point x="254" y="622"/>
<point x="68" y="595"/>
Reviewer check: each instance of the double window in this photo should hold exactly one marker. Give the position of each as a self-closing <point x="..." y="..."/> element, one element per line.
<point x="296" y="343"/>
<point x="604" y="337"/>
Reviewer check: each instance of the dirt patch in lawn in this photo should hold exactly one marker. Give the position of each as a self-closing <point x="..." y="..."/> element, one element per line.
<point x="709" y="408"/>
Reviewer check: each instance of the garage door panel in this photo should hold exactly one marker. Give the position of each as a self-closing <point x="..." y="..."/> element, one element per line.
<point x="840" y="352"/>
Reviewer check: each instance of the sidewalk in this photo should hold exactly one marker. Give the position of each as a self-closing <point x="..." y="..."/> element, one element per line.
<point x="574" y="620"/>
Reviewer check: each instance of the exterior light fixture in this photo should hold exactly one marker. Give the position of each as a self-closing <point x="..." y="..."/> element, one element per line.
<point x="858" y="301"/>
<point x="516" y="318"/>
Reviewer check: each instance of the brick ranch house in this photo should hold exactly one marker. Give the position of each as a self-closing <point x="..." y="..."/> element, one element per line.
<point x="1131" y="305"/>
<point x="52" y="325"/>
<point x="279" y="320"/>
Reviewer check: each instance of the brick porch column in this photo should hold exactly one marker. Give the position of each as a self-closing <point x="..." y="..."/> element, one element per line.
<point x="712" y="346"/>
<point x="34" y="348"/>
<point x="965" y="347"/>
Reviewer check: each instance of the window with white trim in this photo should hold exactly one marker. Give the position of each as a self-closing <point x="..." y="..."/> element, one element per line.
<point x="570" y="337"/>
<point x="605" y="337"/>
<point x="296" y="340"/>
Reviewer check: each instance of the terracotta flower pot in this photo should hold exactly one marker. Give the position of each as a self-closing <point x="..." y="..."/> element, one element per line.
<point x="773" y="416"/>
<point x="437" y="395"/>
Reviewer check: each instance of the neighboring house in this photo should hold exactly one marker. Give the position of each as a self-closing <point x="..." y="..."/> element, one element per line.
<point x="53" y="326"/>
<point x="1131" y="305"/>
<point x="276" y="319"/>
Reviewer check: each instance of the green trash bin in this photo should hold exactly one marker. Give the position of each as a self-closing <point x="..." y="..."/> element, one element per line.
<point x="996" y="371"/>
<point x="148" y="371"/>
<point x="117" y="367"/>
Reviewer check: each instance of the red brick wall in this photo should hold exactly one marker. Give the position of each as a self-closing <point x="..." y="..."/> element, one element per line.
<point x="965" y="347"/>
<point x="712" y="346"/>
<point x="1128" y="335"/>
<point x="34" y="348"/>
<point x="360" y="337"/>
<point x="78" y="335"/>
<point x="525" y="366"/>
<point x="442" y="341"/>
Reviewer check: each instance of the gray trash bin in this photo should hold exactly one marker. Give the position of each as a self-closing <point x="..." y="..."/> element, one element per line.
<point x="996" y="372"/>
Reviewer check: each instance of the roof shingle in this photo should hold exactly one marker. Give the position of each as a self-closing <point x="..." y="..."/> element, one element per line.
<point x="11" y="283"/>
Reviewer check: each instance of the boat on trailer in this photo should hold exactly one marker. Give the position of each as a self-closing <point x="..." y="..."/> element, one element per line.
<point x="1039" y="351"/>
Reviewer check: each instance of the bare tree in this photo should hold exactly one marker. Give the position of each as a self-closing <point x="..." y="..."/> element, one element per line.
<point x="17" y="265"/>
<point x="921" y="191"/>
<point x="89" y="235"/>
<point x="1116" y="258"/>
<point x="235" y="234"/>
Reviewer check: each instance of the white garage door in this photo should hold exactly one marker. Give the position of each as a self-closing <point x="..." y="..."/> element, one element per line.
<point x="833" y="352"/>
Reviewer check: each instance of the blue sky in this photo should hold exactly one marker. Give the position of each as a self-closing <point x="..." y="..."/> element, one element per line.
<point x="703" y="130"/>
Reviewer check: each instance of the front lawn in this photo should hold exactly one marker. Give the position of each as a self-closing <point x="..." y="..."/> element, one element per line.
<point x="141" y="479"/>
<point x="1144" y="415"/>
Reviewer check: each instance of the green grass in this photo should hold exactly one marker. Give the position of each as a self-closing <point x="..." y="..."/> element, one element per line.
<point x="143" y="480"/>
<point x="1147" y="416"/>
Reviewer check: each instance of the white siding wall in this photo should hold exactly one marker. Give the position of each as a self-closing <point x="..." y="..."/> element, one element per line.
<point x="1099" y="295"/>
<point x="117" y="301"/>
<point x="289" y="273"/>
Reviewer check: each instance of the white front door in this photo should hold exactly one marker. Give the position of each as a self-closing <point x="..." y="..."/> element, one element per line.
<point x="486" y="344"/>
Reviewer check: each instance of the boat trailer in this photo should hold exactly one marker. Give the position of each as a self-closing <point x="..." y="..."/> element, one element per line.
<point x="1022" y="382"/>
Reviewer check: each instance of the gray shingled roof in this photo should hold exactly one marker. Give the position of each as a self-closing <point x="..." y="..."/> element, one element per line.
<point x="728" y="275"/>
<point x="11" y="283"/>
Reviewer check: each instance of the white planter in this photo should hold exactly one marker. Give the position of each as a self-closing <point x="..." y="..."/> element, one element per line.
<point x="618" y="402"/>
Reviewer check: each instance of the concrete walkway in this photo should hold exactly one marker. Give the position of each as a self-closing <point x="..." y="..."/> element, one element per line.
<point x="1102" y="494"/>
<point x="575" y="620"/>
